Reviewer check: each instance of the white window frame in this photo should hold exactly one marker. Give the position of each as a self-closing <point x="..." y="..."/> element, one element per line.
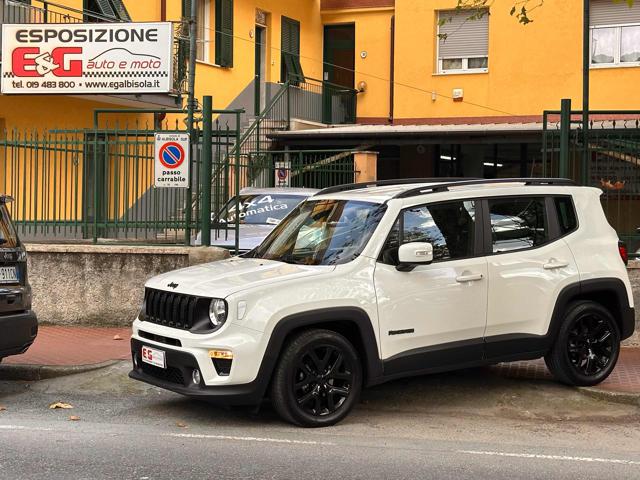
<point x="618" y="50"/>
<point x="206" y="48"/>
<point x="465" y="65"/>
<point x="465" y="60"/>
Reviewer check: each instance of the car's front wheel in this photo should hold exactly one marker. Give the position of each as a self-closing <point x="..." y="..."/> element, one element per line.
<point x="587" y="347"/>
<point x="318" y="379"/>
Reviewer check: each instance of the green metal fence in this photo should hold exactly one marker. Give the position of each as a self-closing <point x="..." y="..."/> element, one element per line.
<point x="613" y="161"/>
<point x="97" y="184"/>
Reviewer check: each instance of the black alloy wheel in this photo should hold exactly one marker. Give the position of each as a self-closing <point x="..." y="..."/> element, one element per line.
<point x="587" y="345"/>
<point x="318" y="379"/>
<point x="591" y="344"/>
<point x="322" y="380"/>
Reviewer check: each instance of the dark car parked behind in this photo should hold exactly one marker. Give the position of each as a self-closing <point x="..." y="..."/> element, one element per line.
<point x="18" y="323"/>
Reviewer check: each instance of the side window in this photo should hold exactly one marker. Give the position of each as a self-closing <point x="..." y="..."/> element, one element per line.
<point x="566" y="214"/>
<point x="518" y="223"/>
<point x="449" y="227"/>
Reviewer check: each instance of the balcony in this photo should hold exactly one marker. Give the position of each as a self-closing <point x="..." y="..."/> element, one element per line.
<point x="20" y="12"/>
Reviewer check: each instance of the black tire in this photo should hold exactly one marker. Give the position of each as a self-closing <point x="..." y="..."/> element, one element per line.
<point x="318" y="379"/>
<point x="587" y="346"/>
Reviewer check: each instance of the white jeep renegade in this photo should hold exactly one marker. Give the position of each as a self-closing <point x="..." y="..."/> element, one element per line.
<point x="365" y="283"/>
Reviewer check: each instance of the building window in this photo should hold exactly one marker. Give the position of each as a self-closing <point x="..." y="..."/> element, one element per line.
<point x="615" y="33"/>
<point x="224" y="33"/>
<point x="463" y="43"/>
<point x="203" y="42"/>
<point x="290" y="68"/>
<point x="104" y="10"/>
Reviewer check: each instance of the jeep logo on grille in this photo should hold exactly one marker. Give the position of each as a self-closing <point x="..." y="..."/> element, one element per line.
<point x="173" y="285"/>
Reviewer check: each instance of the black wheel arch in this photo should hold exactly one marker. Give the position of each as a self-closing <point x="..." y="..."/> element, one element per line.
<point x="352" y="322"/>
<point x="611" y="293"/>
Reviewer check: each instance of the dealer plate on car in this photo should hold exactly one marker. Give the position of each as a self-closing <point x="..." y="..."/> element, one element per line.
<point x="8" y="275"/>
<point x="154" y="357"/>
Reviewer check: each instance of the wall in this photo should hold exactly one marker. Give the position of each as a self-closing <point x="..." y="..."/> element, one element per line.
<point x="101" y="285"/>
<point x="531" y="67"/>
<point x="373" y="35"/>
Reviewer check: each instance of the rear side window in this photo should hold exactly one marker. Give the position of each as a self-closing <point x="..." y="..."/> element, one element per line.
<point x="518" y="223"/>
<point x="566" y="215"/>
<point x="8" y="237"/>
<point x="450" y="227"/>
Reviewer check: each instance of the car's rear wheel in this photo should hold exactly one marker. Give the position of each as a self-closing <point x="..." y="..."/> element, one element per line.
<point x="318" y="379"/>
<point x="587" y="347"/>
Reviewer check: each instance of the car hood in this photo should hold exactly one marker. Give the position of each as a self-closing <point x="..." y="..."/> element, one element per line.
<point x="225" y="277"/>
<point x="251" y="235"/>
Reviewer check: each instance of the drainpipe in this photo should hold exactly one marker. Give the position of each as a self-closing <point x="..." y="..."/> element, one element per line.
<point x="191" y="105"/>
<point x="586" y="64"/>
<point x="392" y="69"/>
<point x="163" y="10"/>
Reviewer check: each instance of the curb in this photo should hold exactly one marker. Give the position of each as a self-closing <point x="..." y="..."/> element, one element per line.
<point x="625" y="398"/>
<point x="44" y="372"/>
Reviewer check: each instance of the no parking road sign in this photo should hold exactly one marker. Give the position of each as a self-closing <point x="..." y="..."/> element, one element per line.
<point x="172" y="160"/>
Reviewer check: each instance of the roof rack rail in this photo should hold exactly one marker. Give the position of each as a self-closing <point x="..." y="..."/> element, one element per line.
<point x="444" y="187"/>
<point x="400" y="181"/>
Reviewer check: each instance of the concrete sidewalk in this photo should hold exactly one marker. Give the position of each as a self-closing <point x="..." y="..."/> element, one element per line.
<point x="78" y="348"/>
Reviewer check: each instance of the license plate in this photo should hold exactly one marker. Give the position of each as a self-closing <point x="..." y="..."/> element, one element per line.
<point x="8" y="275"/>
<point x="153" y="356"/>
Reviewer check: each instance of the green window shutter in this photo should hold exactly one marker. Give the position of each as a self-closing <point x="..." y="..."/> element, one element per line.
<point x="290" y="45"/>
<point x="224" y="33"/>
<point x="186" y="8"/>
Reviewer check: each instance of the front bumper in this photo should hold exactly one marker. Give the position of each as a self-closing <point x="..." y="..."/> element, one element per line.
<point x="17" y="332"/>
<point x="177" y="378"/>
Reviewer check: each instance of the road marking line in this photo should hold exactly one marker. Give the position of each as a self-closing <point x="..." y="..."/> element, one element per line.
<point x="551" y="457"/>
<point x="248" y="439"/>
<point x="19" y="427"/>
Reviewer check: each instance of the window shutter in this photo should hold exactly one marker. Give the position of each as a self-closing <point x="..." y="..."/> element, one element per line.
<point x="606" y="12"/>
<point x="224" y="33"/>
<point x="290" y="46"/>
<point x="186" y="8"/>
<point x="464" y="38"/>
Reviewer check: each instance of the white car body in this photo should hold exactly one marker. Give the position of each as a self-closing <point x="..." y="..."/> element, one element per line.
<point x="485" y="309"/>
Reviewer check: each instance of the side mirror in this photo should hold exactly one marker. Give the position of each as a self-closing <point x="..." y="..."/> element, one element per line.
<point x="414" y="253"/>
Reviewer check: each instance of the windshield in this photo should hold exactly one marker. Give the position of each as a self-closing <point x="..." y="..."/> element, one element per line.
<point x="8" y="237"/>
<point x="260" y="209"/>
<point x="322" y="232"/>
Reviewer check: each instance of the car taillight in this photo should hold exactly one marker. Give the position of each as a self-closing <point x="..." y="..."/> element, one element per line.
<point x="624" y="254"/>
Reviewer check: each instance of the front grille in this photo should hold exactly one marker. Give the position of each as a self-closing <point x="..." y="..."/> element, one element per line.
<point x="169" y="374"/>
<point x="160" y="339"/>
<point x="176" y="310"/>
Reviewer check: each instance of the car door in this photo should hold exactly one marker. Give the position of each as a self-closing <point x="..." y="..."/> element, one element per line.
<point x="435" y="314"/>
<point x="529" y="264"/>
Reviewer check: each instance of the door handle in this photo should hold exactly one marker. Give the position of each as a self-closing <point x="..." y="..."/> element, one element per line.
<point x="469" y="277"/>
<point x="555" y="264"/>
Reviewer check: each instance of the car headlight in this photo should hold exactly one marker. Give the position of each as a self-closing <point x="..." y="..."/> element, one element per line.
<point x="217" y="312"/>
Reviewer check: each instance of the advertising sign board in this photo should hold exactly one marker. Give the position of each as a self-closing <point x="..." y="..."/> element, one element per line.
<point x="86" y="58"/>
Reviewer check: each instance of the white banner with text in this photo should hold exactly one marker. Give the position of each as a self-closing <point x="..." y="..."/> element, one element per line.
<point x="87" y="58"/>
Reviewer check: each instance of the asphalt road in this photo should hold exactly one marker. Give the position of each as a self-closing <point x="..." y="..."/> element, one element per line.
<point x="463" y="425"/>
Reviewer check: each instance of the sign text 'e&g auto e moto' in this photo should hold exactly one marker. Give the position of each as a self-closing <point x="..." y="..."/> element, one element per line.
<point x="87" y="58"/>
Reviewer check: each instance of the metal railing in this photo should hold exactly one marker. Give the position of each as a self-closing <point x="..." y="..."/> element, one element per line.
<point x="298" y="168"/>
<point x="614" y="161"/>
<point x="16" y="12"/>
<point x="322" y="102"/>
